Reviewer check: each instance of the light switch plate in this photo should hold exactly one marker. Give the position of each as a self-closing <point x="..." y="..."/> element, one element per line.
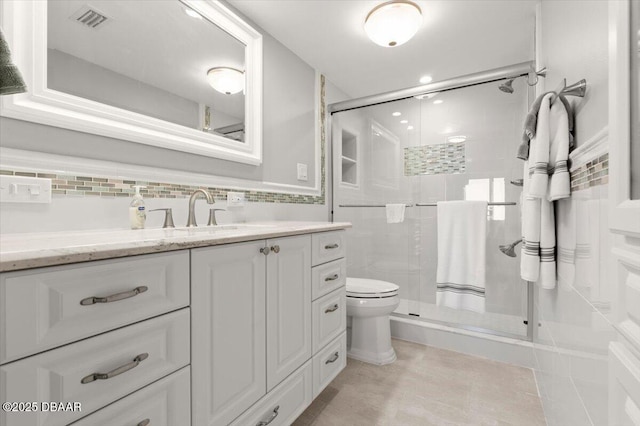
<point x="22" y="189"/>
<point x="302" y="172"/>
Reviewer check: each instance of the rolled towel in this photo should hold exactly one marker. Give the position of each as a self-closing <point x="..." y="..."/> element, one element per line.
<point x="395" y="213"/>
<point x="10" y="78"/>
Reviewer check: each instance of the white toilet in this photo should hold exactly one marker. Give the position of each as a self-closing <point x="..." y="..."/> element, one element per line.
<point x="369" y="303"/>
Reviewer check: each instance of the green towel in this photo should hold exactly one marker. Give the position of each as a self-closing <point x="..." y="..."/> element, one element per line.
<point x="10" y="79"/>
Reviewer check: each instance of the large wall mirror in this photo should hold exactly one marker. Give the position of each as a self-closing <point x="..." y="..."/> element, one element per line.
<point x="179" y="74"/>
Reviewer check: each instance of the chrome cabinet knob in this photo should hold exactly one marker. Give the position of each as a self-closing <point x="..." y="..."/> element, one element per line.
<point x="275" y="249"/>
<point x="265" y="250"/>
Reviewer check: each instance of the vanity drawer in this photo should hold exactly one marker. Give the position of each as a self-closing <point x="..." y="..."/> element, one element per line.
<point x="284" y="403"/>
<point x="328" y="277"/>
<point x="327" y="246"/>
<point x="163" y="403"/>
<point x="138" y="355"/>
<point x="328" y="363"/>
<point x="41" y="308"/>
<point x="329" y="315"/>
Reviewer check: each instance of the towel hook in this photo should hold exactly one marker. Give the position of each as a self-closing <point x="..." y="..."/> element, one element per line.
<point x="577" y="89"/>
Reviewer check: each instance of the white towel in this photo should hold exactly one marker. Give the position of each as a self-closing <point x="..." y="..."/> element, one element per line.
<point x="546" y="179"/>
<point x="395" y="213"/>
<point x="566" y="228"/>
<point x="462" y="233"/>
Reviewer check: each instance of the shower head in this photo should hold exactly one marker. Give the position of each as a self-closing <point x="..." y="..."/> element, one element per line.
<point x="507" y="86"/>
<point x="509" y="249"/>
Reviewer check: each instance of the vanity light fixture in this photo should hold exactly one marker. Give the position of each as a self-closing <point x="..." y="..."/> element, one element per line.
<point x="226" y="80"/>
<point x="396" y="114"/>
<point x="456" y="139"/>
<point x="192" y="13"/>
<point x="393" y="23"/>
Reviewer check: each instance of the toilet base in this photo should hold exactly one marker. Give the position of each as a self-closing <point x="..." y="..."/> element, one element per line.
<point x="373" y="358"/>
<point x="371" y="340"/>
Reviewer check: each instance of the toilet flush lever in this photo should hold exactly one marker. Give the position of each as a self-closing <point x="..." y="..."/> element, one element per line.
<point x="331" y="309"/>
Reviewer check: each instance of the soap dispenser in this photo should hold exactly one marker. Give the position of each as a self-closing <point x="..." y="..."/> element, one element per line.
<point x="137" y="212"/>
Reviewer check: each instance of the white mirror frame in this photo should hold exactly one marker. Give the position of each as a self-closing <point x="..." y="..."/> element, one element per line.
<point x="25" y="26"/>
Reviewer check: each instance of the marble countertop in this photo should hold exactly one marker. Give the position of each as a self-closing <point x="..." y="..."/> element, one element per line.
<point x="25" y="251"/>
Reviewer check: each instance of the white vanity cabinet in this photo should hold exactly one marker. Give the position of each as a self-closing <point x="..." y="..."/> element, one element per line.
<point x="251" y="307"/>
<point x="242" y="333"/>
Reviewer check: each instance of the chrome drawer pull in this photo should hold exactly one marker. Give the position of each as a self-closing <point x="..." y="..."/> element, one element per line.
<point x="332" y="278"/>
<point x="113" y="373"/>
<point x="333" y="359"/>
<point x="145" y="422"/>
<point x="272" y="416"/>
<point x="331" y="246"/>
<point x="275" y="249"/>
<point x="265" y="250"/>
<point x="114" y="297"/>
<point x="331" y="309"/>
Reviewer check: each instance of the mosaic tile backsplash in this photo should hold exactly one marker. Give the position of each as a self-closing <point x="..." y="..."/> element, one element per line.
<point x="100" y="186"/>
<point x="592" y="173"/>
<point x="446" y="158"/>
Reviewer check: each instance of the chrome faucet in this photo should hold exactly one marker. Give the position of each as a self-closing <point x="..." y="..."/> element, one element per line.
<point x="192" y="202"/>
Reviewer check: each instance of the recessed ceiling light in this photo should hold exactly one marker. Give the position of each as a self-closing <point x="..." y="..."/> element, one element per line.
<point x="397" y="114"/>
<point x="393" y="23"/>
<point x="438" y="101"/>
<point x="456" y="139"/>
<point x="410" y="128"/>
<point x="192" y="13"/>
<point x="426" y="79"/>
<point x="404" y="121"/>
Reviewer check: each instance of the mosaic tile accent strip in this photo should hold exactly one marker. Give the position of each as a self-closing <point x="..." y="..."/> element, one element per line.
<point x="99" y="186"/>
<point x="593" y="173"/>
<point x="446" y="158"/>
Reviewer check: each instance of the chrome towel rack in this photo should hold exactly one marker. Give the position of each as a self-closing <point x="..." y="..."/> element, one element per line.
<point x="492" y="203"/>
<point x="577" y="89"/>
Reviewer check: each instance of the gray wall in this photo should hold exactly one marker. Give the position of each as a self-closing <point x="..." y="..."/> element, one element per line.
<point x="69" y="74"/>
<point x="288" y="132"/>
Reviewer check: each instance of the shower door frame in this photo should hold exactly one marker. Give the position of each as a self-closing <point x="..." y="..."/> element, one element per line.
<point x="488" y="76"/>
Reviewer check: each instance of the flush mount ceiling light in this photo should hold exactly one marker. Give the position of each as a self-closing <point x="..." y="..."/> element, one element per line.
<point x="396" y="114"/>
<point x="456" y="139"/>
<point x="404" y="121"/>
<point x="226" y="80"/>
<point x="438" y="101"/>
<point x="409" y="127"/>
<point x="393" y="23"/>
<point x="426" y="79"/>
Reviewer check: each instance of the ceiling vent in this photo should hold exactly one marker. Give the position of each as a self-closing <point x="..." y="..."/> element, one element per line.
<point x="90" y="17"/>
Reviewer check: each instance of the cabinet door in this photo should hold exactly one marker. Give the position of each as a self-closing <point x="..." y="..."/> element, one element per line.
<point x="228" y="333"/>
<point x="288" y="306"/>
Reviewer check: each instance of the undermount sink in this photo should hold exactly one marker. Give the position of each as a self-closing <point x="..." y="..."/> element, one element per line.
<point x="221" y="228"/>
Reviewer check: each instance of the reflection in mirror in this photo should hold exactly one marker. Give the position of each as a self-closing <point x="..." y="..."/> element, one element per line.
<point x="148" y="57"/>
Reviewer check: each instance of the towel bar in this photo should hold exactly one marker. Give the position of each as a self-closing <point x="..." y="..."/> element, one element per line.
<point x="493" y="203"/>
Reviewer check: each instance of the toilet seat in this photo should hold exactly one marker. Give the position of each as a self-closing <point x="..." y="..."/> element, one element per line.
<point x="365" y="288"/>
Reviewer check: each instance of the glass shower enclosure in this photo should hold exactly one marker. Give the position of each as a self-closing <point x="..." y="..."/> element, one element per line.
<point x="453" y="144"/>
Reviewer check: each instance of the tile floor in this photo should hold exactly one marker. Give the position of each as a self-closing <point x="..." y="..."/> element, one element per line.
<point x="428" y="386"/>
